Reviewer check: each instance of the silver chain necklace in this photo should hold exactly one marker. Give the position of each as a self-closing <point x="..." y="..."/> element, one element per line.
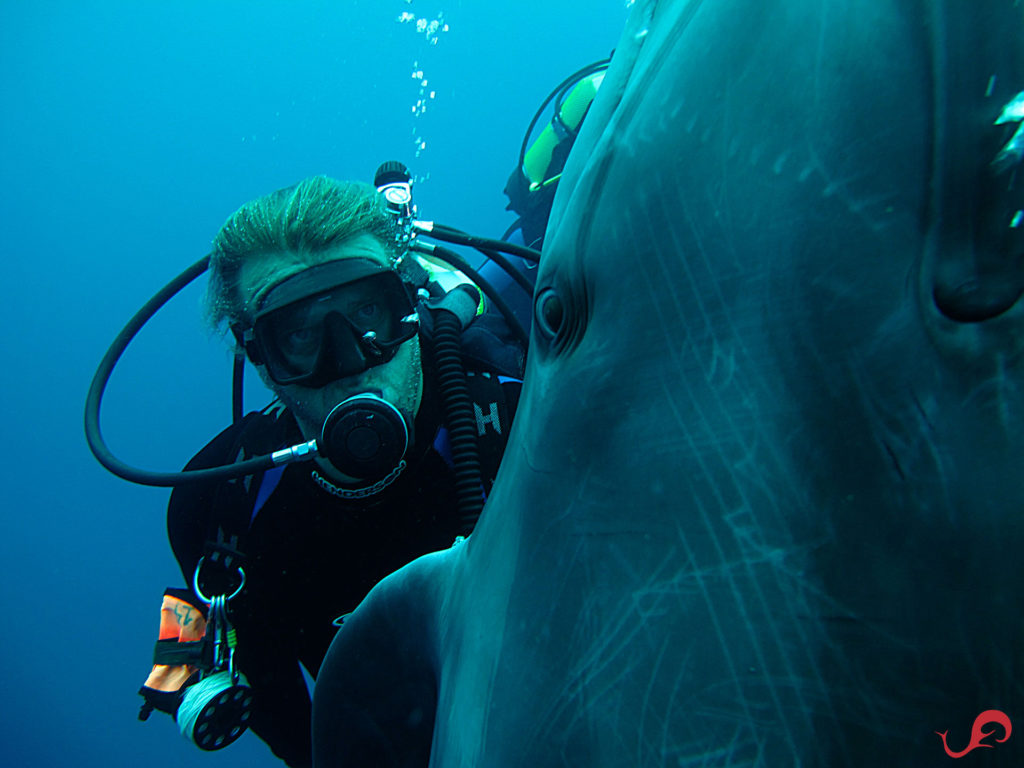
<point x="359" y="493"/>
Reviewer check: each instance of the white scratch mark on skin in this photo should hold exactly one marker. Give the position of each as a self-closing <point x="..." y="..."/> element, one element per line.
<point x="993" y="392"/>
<point x="728" y="362"/>
<point x="644" y="707"/>
<point x="680" y="253"/>
<point x="585" y="676"/>
<point x="740" y="604"/>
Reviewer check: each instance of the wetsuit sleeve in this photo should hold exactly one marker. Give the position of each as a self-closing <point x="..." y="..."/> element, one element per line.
<point x="488" y="345"/>
<point x="191" y="507"/>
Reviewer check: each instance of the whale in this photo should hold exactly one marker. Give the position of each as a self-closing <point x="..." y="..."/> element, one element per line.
<point x="763" y="500"/>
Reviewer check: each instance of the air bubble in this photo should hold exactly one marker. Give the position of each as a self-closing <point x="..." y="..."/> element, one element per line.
<point x="432" y="29"/>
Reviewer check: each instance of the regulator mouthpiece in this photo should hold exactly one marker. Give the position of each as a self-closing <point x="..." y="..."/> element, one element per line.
<point x="365" y="437"/>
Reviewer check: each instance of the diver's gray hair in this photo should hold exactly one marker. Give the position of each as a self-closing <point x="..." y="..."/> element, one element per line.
<point x="309" y="217"/>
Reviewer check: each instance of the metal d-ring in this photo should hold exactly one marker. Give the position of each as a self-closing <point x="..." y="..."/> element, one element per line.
<point x="204" y="598"/>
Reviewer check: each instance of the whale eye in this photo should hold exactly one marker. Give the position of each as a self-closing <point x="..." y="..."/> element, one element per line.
<point x="549" y="312"/>
<point x="560" y="316"/>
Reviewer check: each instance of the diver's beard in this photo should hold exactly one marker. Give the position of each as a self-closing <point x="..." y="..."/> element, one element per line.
<point x="399" y="382"/>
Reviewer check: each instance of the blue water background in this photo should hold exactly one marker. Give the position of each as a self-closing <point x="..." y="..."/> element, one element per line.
<point x="129" y="132"/>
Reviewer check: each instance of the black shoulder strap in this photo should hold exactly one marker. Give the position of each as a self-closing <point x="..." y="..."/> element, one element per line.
<point x="493" y="419"/>
<point x="490" y="357"/>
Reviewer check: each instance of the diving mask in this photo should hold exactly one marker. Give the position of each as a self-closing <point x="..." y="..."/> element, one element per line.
<point x="329" y="322"/>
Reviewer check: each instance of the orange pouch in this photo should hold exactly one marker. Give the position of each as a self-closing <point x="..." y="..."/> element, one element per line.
<point x="181" y="651"/>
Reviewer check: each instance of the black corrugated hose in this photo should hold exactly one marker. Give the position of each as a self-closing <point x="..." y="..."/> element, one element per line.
<point x="458" y="408"/>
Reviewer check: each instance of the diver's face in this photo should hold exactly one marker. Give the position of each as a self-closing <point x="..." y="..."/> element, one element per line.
<point x="399" y="381"/>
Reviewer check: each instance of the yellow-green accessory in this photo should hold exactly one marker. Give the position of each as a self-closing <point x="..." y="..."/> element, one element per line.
<point x="531" y="187"/>
<point x="564" y="125"/>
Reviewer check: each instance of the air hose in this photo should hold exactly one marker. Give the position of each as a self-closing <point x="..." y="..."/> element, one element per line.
<point x="449" y="321"/>
<point x="453" y="259"/>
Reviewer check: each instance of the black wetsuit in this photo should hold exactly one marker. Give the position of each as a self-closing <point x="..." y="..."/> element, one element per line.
<point x="309" y="556"/>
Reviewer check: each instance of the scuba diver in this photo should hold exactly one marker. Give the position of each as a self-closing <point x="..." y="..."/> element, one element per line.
<point x="394" y="392"/>
<point x="312" y="287"/>
<point x="532" y="184"/>
<point x="396" y="370"/>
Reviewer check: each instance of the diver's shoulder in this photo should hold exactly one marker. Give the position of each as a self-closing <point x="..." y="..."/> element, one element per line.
<point x="191" y="507"/>
<point x="488" y="345"/>
<point x="256" y="433"/>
